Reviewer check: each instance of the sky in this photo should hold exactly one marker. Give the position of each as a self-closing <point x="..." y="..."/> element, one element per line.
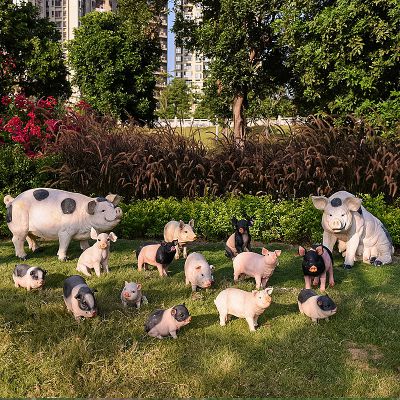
<point x="171" y="44"/>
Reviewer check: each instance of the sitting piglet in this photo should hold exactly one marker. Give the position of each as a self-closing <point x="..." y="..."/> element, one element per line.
<point x="198" y="272"/>
<point x="79" y="298"/>
<point x="314" y="306"/>
<point x="316" y="263"/>
<point x="132" y="295"/>
<point x="260" y="267"/>
<point x="240" y="240"/>
<point x="162" y="323"/>
<point x="96" y="256"/>
<point x="28" y="277"/>
<point x="159" y="255"/>
<point x="242" y="304"/>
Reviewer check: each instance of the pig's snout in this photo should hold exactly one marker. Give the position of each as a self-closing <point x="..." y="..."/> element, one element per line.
<point x="93" y="313"/>
<point x="188" y="319"/>
<point x="336" y="224"/>
<point x="126" y="294"/>
<point x="118" y="212"/>
<point x="103" y="245"/>
<point x="208" y="283"/>
<point x="173" y="248"/>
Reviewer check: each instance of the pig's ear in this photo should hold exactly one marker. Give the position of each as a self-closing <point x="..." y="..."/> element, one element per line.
<point x="278" y="252"/>
<point x="113" y="236"/>
<point x="319" y="202"/>
<point x="269" y="290"/>
<point x="212" y="267"/>
<point x="173" y="311"/>
<point x="191" y="223"/>
<point x="163" y="243"/>
<point x="319" y="302"/>
<point x="234" y="221"/>
<point x="44" y="272"/>
<point x="94" y="290"/>
<point x="319" y="250"/>
<point x="114" y="199"/>
<point x="181" y="224"/>
<point x="139" y="286"/>
<point x="250" y="220"/>
<point x="93" y="233"/>
<point x="353" y="203"/>
<point x="264" y="251"/>
<point x="126" y="283"/>
<point x="302" y="251"/>
<point x="91" y="207"/>
<point x="254" y="292"/>
<point x="198" y="267"/>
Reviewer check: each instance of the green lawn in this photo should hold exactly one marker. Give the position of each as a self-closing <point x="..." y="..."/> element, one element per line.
<point x="45" y="353"/>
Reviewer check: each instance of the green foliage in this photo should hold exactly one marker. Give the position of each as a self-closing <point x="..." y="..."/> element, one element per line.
<point x="175" y="100"/>
<point x="345" y="56"/>
<point x="31" y="55"/>
<point x="114" y="61"/>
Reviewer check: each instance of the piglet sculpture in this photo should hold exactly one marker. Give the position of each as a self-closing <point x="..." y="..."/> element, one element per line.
<point x="314" y="306"/>
<point x="28" y="277"/>
<point x="182" y="233"/>
<point x="260" y="267"/>
<point x="242" y="304"/>
<point x="132" y="295"/>
<point x="240" y="240"/>
<point x="198" y="272"/>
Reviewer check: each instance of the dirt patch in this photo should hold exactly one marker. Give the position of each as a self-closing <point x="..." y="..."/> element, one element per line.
<point x="364" y="355"/>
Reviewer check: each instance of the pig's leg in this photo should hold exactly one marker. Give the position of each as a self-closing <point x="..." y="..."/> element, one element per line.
<point x="187" y="281"/>
<point x="329" y="240"/>
<point x="258" y="282"/>
<point x="250" y="321"/>
<point x="177" y="248"/>
<point x="173" y="334"/>
<point x="351" y="249"/>
<point x="255" y="320"/>
<point x="341" y="246"/>
<point x="323" y="281"/>
<point x="140" y="261"/>
<point x="331" y="280"/>
<point x="223" y="316"/>
<point x="236" y="275"/>
<point x="264" y="282"/>
<point x="84" y="244"/>
<point x="160" y="268"/>
<point x="138" y="304"/>
<point x="64" y="239"/>
<point x="194" y="288"/>
<point x="384" y="254"/>
<point x="315" y="281"/>
<point x="32" y="243"/>
<point x="18" y="241"/>
<point x="307" y="281"/>
<point x="97" y="269"/>
<point x="165" y="270"/>
<point x="83" y="269"/>
<point x="184" y="252"/>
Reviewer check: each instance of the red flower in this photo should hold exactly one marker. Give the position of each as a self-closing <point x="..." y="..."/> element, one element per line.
<point x="20" y="101"/>
<point x="5" y="100"/>
<point x="52" y="125"/>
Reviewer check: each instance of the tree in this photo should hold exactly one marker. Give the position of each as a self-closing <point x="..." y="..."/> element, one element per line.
<point x="237" y="37"/>
<point x="113" y="57"/>
<point x="175" y="100"/>
<point x="31" y="57"/>
<point x="345" y="55"/>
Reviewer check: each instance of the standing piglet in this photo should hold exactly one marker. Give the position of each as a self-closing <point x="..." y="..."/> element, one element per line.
<point x="198" y="272"/>
<point x="182" y="233"/>
<point x="314" y="306"/>
<point x="132" y="295"/>
<point x="79" y="298"/>
<point x="28" y="277"/>
<point x="242" y="304"/>
<point x="260" y="267"/>
<point x="96" y="256"/>
<point x="162" y="323"/>
<point x="316" y="263"/>
<point x="240" y="240"/>
<point x="159" y="255"/>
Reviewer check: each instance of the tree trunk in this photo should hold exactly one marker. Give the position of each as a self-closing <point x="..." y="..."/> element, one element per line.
<point x="239" y="122"/>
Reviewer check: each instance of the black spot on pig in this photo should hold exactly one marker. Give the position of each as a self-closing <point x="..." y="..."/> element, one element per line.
<point x="70" y="283"/>
<point x="336" y="202"/>
<point x="313" y="263"/>
<point x="9" y="214"/>
<point x="68" y="206"/>
<point x="41" y="194"/>
<point x="21" y="269"/>
<point x="325" y="303"/>
<point x="166" y="252"/>
<point x="154" y="319"/>
<point x="180" y="312"/>
<point x="101" y="199"/>
<point x="36" y="272"/>
<point x="86" y="299"/>
<point x="305" y="294"/>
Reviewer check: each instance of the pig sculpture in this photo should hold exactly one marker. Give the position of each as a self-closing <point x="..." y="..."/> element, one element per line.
<point x="159" y="255"/>
<point x="56" y="214"/>
<point x="132" y="295"/>
<point x="360" y="235"/>
<point x="317" y="262"/>
<point x="198" y="272"/>
<point x="314" y="306"/>
<point x="79" y="298"/>
<point x="240" y="240"/>
<point x="96" y="256"/>
<point x="181" y="232"/>
<point x="28" y="277"/>
<point x="260" y="267"/>
<point x="242" y="304"/>
<point x="162" y="323"/>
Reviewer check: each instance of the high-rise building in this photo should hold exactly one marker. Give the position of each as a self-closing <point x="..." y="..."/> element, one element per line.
<point x="190" y="66"/>
<point x="161" y="74"/>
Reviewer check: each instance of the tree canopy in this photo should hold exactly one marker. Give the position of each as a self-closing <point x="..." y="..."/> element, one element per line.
<point x="113" y="57"/>
<point x="31" y="57"/>
<point x="175" y="100"/>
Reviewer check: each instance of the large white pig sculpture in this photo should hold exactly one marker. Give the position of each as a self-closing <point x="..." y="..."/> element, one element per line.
<point x="56" y="214"/>
<point x="360" y="235"/>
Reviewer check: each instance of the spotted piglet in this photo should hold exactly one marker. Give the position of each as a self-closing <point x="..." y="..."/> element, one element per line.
<point x="79" y="298"/>
<point x="317" y="262"/>
<point x="132" y="295"/>
<point x="240" y="240"/>
<point x="314" y="306"/>
<point x="162" y="323"/>
<point x="96" y="256"/>
<point x="28" y="277"/>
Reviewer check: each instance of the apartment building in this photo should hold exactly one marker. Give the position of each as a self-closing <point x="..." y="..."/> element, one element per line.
<point x="190" y="66"/>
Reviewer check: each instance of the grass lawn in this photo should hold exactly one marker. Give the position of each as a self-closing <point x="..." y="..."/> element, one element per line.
<point x="45" y="353"/>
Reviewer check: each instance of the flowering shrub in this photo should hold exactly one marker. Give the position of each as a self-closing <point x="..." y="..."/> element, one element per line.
<point x="33" y="124"/>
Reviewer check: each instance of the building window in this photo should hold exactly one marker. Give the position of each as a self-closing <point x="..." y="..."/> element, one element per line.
<point x="58" y="3"/>
<point x="57" y="14"/>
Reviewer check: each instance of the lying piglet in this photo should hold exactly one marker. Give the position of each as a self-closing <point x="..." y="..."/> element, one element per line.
<point x="79" y="298"/>
<point x="132" y="295"/>
<point x="260" y="267"/>
<point x="162" y="323"/>
<point x="198" y="272"/>
<point x="314" y="306"/>
<point x="28" y="277"/>
<point x="159" y="255"/>
<point x="242" y="304"/>
<point x="96" y="256"/>
<point x="316" y="263"/>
